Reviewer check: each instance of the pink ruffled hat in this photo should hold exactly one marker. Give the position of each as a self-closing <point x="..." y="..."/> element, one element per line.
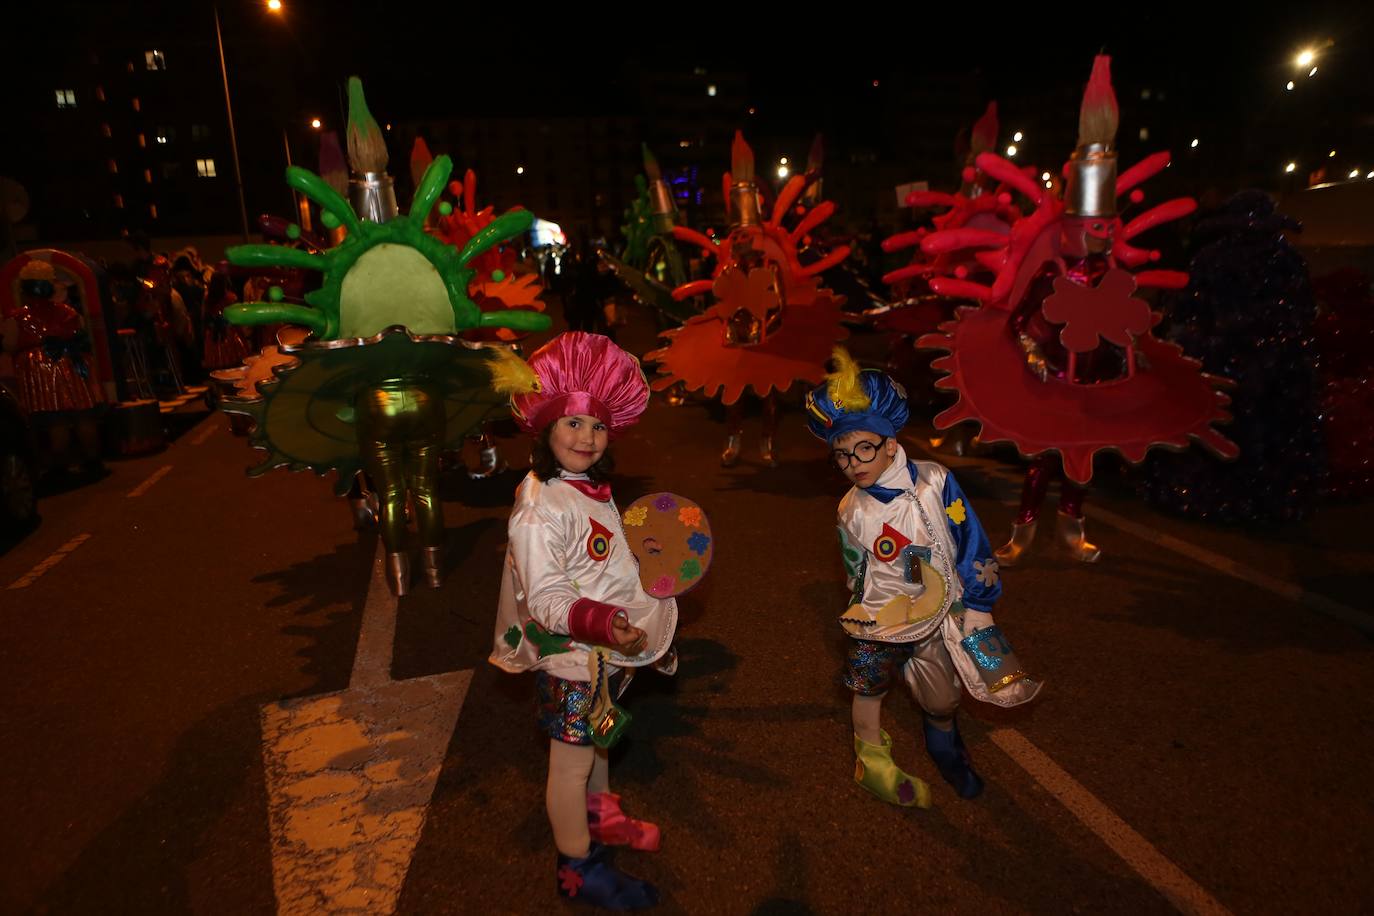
<point x="582" y="373"/>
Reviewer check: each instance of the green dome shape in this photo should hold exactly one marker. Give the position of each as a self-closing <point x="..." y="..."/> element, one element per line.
<point x="394" y="260"/>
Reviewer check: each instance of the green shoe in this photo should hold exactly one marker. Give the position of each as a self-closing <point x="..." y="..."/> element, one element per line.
<point x="875" y="771"/>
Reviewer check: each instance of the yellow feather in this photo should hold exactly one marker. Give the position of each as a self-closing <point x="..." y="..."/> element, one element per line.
<point x="843" y="385"/>
<point x="510" y="374"/>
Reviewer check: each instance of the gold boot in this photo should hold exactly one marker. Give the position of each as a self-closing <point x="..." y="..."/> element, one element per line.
<point x="432" y="562"/>
<point x="1022" y="536"/>
<point x="769" y="458"/>
<point x="398" y="573"/>
<point x="1077" y="543"/>
<point x="731" y="453"/>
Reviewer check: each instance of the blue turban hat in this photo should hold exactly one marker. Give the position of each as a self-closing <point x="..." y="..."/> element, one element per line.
<point x="852" y="399"/>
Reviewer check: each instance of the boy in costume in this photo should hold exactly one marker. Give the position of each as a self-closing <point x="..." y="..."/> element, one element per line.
<point x="923" y="581"/>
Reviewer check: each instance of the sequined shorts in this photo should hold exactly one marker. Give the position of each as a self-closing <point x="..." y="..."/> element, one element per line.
<point x="564" y="706"/>
<point x="871" y="666"/>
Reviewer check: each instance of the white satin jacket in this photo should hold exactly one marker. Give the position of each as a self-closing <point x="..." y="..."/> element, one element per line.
<point x="564" y="546"/>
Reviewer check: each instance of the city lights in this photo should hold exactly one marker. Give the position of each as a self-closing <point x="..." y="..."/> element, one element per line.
<point x="1011" y="150"/>
<point x="711" y="90"/>
<point x="315" y="123"/>
<point x="1291" y="167"/>
<point x="1194" y="144"/>
<point x="1018" y="136"/>
<point x="1289" y="87"/>
<point x="783" y="171"/>
<point x="519" y="170"/>
<point x="274" y="5"/>
<point x="1306" y="57"/>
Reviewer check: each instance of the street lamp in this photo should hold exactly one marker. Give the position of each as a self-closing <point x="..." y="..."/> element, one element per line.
<point x="1011" y="151"/>
<point x="315" y="123"/>
<point x="229" y="109"/>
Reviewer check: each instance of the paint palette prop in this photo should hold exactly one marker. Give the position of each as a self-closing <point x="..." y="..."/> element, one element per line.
<point x="671" y="539"/>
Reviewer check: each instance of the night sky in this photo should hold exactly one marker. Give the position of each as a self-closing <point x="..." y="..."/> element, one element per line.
<point x="419" y="61"/>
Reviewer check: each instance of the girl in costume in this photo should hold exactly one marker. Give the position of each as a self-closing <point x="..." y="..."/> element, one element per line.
<point x="923" y="580"/>
<point x="572" y="608"/>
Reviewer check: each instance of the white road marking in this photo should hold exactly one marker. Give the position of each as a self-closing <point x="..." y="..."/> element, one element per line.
<point x="377" y="635"/>
<point x="58" y="556"/>
<point x="1186" y="895"/>
<point x="1293" y="592"/>
<point x="152" y="479"/>
<point x="203" y="436"/>
<point x="350" y="774"/>
<point x="349" y="780"/>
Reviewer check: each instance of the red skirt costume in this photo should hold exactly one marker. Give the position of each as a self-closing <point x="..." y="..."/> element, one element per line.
<point x="47" y="376"/>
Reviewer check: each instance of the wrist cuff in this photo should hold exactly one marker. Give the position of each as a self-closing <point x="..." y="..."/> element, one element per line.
<point x="591" y="621"/>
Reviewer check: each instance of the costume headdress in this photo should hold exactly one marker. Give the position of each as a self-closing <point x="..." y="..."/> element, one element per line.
<point x="854" y="399"/>
<point x="1092" y="170"/>
<point x="580" y="373"/>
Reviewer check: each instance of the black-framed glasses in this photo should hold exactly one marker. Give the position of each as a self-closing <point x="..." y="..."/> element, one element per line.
<point x="863" y="453"/>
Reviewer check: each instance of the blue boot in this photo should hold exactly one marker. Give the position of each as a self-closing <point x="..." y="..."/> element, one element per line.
<point x="947" y="749"/>
<point x="593" y="879"/>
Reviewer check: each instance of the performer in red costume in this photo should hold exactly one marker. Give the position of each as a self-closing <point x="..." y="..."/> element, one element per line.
<point x="52" y="381"/>
<point x="980" y="203"/>
<point x="1059" y="359"/>
<point x="771" y="324"/>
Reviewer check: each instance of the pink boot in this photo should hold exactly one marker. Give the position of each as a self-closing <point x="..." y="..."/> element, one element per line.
<point x="609" y="825"/>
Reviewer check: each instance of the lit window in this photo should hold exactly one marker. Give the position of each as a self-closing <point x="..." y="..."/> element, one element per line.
<point x="66" y="98"/>
<point x="137" y="105"/>
<point x="1144" y="93"/>
<point x="119" y="201"/>
<point x="164" y="135"/>
<point x="711" y="90"/>
<point x="205" y="168"/>
<point x="1144" y="133"/>
<point x="112" y="166"/>
<point x="148" y="176"/>
<point x="155" y="60"/>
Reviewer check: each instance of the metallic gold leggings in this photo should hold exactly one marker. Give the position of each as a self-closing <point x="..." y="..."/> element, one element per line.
<point x="400" y="435"/>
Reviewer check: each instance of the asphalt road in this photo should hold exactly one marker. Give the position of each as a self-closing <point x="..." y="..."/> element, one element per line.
<point x="1206" y="721"/>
